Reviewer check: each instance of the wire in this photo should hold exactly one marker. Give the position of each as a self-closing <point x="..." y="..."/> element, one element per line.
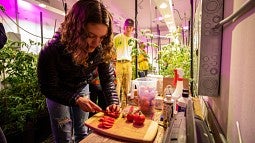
<point x="23" y="28"/>
<point x="140" y="4"/>
<point x="64" y="6"/>
<point x="178" y="14"/>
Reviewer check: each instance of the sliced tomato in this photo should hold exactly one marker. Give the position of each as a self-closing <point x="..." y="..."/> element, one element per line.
<point x="110" y="121"/>
<point x="109" y="118"/>
<point x="107" y="126"/>
<point x="100" y="125"/>
<point x="106" y="120"/>
<point x="107" y="123"/>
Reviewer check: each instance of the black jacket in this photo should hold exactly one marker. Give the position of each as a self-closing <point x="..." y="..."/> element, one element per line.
<point x="61" y="80"/>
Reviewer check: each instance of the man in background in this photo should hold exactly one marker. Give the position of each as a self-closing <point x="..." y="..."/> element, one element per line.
<point x="123" y="63"/>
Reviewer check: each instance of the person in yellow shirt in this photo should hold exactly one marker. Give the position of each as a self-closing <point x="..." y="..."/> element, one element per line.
<point x="142" y="60"/>
<point x="123" y="61"/>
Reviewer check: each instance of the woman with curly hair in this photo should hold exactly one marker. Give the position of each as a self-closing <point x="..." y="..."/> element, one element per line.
<point x="82" y="44"/>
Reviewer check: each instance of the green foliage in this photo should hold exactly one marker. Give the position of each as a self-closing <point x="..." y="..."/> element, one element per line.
<point x="174" y="56"/>
<point x="20" y="98"/>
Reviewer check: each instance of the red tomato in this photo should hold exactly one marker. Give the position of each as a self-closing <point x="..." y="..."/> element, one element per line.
<point x="113" y="114"/>
<point x="139" y="118"/>
<point x="130" y="117"/>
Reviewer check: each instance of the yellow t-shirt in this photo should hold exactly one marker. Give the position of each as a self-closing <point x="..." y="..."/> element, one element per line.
<point x="122" y="47"/>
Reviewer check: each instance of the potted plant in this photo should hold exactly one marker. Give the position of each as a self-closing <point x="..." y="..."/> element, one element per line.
<point x="20" y="98"/>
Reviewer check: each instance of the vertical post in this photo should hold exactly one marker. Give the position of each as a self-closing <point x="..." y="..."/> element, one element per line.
<point x="41" y="23"/>
<point x="55" y="26"/>
<point x="136" y="24"/>
<point x="17" y="17"/>
<point x="191" y="48"/>
<point x="159" y="45"/>
<point x="152" y="53"/>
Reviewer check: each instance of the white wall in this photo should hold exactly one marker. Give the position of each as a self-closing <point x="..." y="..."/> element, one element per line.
<point x="236" y="102"/>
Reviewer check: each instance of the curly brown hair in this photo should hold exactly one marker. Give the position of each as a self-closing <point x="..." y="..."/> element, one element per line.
<point x="74" y="26"/>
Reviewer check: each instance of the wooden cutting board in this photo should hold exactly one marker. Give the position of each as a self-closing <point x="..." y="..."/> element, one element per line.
<point x="125" y="130"/>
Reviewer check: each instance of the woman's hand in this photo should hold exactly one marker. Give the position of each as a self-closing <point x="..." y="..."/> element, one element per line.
<point x="113" y="108"/>
<point x="87" y="105"/>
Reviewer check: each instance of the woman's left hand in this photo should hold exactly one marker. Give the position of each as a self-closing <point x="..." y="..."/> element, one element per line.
<point x="113" y="108"/>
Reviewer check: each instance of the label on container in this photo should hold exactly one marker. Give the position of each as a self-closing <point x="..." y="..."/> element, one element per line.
<point x="181" y="104"/>
<point x="181" y="109"/>
<point x="159" y="102"/>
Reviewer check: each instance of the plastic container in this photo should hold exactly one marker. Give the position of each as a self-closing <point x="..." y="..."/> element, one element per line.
<point x="182" y="102"/>
<point x="159" y="79"/>
<point x="147" y="91"/>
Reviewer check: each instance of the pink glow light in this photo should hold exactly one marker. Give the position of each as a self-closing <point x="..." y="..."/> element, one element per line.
<point x="25" y="5"/>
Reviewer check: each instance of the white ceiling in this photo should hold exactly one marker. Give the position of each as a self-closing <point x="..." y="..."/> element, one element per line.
<point x="147" y="12"/>
<point x="147" y="16"/>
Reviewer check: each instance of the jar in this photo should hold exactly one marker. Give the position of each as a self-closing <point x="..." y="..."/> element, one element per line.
<point x="167" y="110"/>
<point x="159" y="102"/>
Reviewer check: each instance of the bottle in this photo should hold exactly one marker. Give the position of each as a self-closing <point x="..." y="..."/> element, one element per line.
<point x="158" y="102"/>
<point x="167" y="109"/>
<point x="135" y="96"/>
<point x="182" y="102"/>
<point x="178" y="81"/>
<point x="168" y="90"/>
<point x="185" y="90"/>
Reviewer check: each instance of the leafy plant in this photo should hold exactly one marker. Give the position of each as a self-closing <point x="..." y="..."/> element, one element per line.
<point x="174" y="56"/>
<point x="171" y="56"/>
<point x="20" y="98"/>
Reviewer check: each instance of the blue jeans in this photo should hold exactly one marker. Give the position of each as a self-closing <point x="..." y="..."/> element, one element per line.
<point x="67" y="123"/>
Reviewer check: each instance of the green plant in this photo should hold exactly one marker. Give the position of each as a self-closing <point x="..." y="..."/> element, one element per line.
<point x="174" y="56"/>
<point x="20" y="98"/>
<point x="171" y="56"/>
